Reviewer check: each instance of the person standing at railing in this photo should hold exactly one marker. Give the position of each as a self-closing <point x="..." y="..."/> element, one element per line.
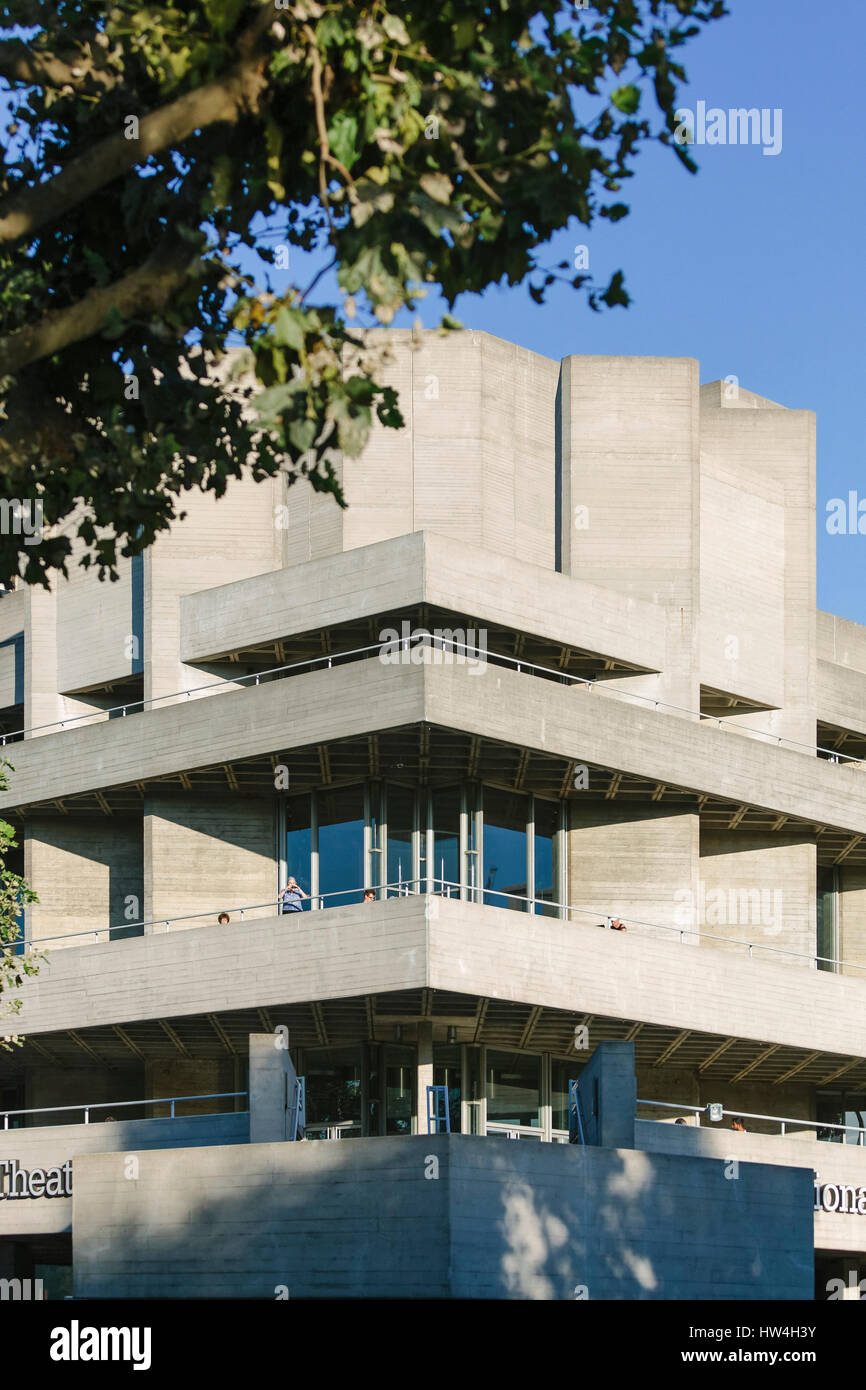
<point x="292" y="897"/>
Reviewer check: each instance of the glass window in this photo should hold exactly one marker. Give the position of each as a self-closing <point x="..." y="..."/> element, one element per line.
<point x="513" y="1088"/>
<point x="399" y="1089"/>
<point x="505" y="849"/>
<point x="827" y="919"/>
<point x="298" y="843"/>
<point x="447" y="1072"/>
<point x="841" y="1108"/>
<point x="446" y="839"/>
<point x="561" y="1074"/>
<point x="341" y="846"/>
<point x="401" y="818"/>
<point x="333" y="1086"/>
<point x="546" y="867"/>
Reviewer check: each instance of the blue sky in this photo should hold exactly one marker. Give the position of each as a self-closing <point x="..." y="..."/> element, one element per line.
<point x="754" y="265"/>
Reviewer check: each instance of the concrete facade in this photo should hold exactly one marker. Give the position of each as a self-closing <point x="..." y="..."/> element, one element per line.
<point x="660" y="727"/>
<point x="437" y="1216"/>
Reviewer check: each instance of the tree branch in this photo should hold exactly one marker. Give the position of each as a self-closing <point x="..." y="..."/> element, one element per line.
<point x="325" y="155"/>
<point x="22" y="214"/>
<point x="146" y="290"/>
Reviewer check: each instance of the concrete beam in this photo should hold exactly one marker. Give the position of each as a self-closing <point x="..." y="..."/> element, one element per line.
<point x="423" y="568"/>
<point x="498" y="704"/>
<point x="467" y="949"/>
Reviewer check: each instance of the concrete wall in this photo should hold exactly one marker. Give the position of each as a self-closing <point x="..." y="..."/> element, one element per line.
<point x="840" y="641"/>
<point x="759" y="886"/>
<point x="475" y="460"/>
<point x="851" y="920"/>
<point x="758" y="572"/>
<point x="742" y="581"/>
<point x="835" y="1163"/>
<point x="841" y="696"/>
<point x="630" y="861"/>
<point x="630" y="474"/>
<point x="229" y="539"/>
<point x="205" y="855"/>
<point x="87" y="873"/>
<point x="51" y="1145"/>
<point x="96" y="625"/>
<point x="435" y="1216"/>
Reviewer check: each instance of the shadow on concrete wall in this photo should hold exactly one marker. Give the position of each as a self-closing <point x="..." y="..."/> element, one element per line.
<point x="626" y="1224"/>
<point x="499" y="1219"/>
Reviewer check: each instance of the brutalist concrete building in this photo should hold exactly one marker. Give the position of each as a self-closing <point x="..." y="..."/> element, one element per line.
<point x="555" y="672"/>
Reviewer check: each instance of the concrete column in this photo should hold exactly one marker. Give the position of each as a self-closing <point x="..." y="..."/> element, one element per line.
<point x="424" y="1074"/>
<point x="758" y="625"/>
<point x="272" y="1088"/>
<point x="47" y="664"/>
<point x="851" y="924"/>
<point x="630" y="488"/>
<point x="475" y="461"/>
<point x="608" y="1096"/>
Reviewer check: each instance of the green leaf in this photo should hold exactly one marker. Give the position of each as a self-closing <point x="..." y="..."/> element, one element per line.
<point x="343" y="137"/>
<point x="302" y="433"/>
<point x="288" y="329"/>
<point x="626" y="98"/>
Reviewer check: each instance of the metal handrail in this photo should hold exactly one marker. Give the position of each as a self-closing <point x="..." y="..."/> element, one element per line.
<point x="401" y="885"/>
<point x="781" y="1120"/>
<point x="119" y="1104"/>
<point x="405" y="888"/>
<point x="445" y="644"/>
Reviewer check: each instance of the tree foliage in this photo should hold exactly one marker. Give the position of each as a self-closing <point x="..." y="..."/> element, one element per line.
<point x="408" y="145"/>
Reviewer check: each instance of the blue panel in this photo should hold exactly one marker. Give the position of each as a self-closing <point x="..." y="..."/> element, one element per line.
<point x="18" y="643"/>
<point x="138" y="612"/>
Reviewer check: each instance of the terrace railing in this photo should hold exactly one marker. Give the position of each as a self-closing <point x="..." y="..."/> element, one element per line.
<point x="434" y="887"/>
<point x="785" y="1122"/>
<point x="461" y="652"/>
<point x="87" y="1108"/>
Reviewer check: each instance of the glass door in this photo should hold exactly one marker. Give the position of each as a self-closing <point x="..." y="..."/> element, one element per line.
<point x="398" y="1075"/>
